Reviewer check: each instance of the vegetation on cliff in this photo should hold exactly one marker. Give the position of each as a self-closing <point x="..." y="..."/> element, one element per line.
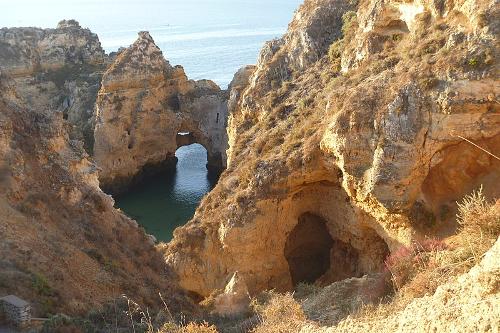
<point x="351" y="142"/>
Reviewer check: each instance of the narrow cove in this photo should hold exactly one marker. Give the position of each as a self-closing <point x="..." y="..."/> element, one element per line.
<point x="164" y="202"/>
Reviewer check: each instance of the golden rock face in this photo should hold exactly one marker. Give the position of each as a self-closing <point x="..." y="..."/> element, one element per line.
<point x="142" y="106"/>
<point x="371" y="145"/>
<point x="335" y="159"/>
<point x="63" y="242"/>
<point x="56" y="69"/>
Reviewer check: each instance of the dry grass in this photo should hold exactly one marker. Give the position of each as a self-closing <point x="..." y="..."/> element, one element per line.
<point x="282" y="313"/>
<point x="189" y="328"/>
<point x="420" y="269"/>
<point x="141" y="321"/>
<point x="428" y="267"/>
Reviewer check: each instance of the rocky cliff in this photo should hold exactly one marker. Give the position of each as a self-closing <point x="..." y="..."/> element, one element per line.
<point x="356" y="135"/>
<point x="56" y="69"/>
<point x="353" y="136"/>
<point x="146" y="109"/>
<point x="64" y="247"/>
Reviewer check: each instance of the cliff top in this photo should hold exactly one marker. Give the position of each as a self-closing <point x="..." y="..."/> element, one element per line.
<point x="63" y="24"/>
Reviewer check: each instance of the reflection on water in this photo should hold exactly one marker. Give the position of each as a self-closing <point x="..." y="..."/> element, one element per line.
<point x="169" y="200"/>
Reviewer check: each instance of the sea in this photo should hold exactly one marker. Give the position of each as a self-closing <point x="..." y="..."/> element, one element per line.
<point x="211" y="39"/>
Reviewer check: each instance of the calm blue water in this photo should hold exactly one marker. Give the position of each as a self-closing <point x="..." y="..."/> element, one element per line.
<point x="169" y="200"/>
<point x="212" y="39"/>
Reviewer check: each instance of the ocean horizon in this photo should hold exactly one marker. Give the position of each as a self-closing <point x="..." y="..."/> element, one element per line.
<point x="211" y="40"/>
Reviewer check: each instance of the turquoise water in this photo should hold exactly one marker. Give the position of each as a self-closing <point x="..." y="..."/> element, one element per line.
<point x="169" y="200"/>
<point x="212" y="39"/>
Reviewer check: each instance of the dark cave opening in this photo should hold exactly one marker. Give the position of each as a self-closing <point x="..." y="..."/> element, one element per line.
<point x="307" y="249"/>
<point x="313" y="255"/>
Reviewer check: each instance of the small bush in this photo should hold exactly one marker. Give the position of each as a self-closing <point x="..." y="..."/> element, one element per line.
<point x="419" y="269"/>
<point x="473" y="210"/>
<point x="41" y="285"/>
<point x="305" y="102"/>
<point x="61" y="324"/>
<point x="349" y="23"/>
<point x="480" y="224"/>
<point x="405" y="263"/>
<point x="275" y="84"/>
<point x="335" y="53"/>
<point x="428" y="82"/>
<point x="397" y="37"/>
<point x="304" y="290"/>
<point x="473" y="62"/>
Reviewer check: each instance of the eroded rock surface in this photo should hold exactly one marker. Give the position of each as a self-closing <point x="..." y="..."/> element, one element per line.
<point x="58" y="70"/>
<point x="369" y="141"/>
<point x="63" y="246"/>
<point x="470" y="303"/>
<point x="146" y="109"/>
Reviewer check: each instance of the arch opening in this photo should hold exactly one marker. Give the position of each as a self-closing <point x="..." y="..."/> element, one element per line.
<point x="185" y="138"/>
<point x="169" y="199"/>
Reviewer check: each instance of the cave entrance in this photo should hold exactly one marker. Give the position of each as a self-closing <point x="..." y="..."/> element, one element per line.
<point x="307" y="249"/>
<point x="314" y="256"/>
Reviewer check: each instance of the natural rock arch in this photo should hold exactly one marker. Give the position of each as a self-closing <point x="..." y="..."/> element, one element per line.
<point x="215" y="162"/>
<point x="143" y="105"/>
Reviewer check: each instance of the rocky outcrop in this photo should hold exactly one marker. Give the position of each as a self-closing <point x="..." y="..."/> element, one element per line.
<point x="234" y="300"/>
<point x="56" y="69"/>
<point x="64" y="247"/>
<point x="366" y="156"/>
<point x="240" y="82"/>
<point x="146" y="109"/>
<point x="311" y="32"/>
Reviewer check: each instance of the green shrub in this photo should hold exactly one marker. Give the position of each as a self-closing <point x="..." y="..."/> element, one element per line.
<point x="349" y="23"/>
<point x="428" y="82"/>
<point x="473" y="62"/>
<point x="41" y="285"/>
<point x="337" y="47"/>
<point x="335" y="54"/>
<point x="305" y="102"/>
<point x="397" y="37"/>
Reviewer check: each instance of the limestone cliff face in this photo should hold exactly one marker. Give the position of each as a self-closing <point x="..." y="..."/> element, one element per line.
<point x="365" y="146"/>
<point x="316" y="25"/>
<point x="143" y="105"/>
<point x="64" y="247"/>
<point x="240" y="82"/>
<point x="56" y="69"/>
